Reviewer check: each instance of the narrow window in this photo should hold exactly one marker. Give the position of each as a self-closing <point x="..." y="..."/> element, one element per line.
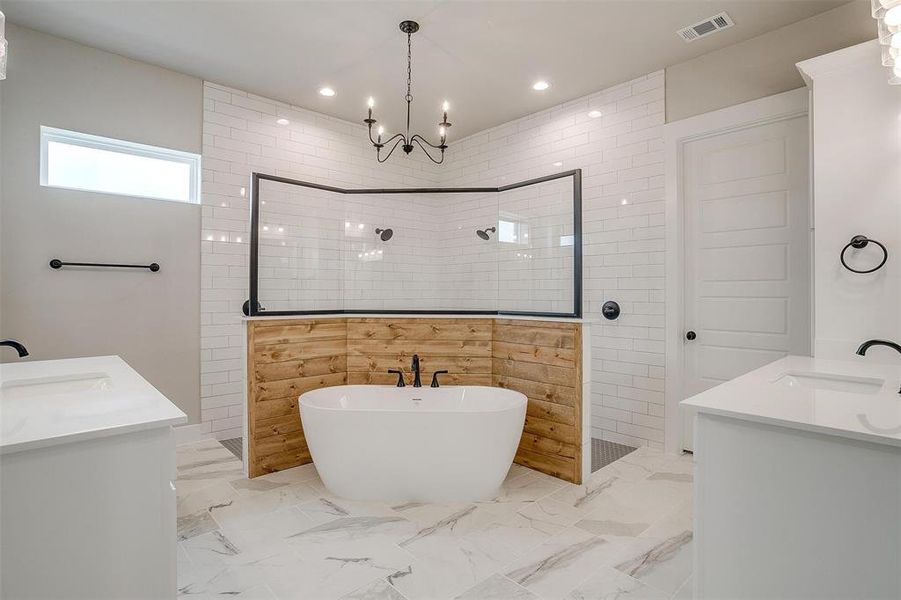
<point x="80" y="161"/>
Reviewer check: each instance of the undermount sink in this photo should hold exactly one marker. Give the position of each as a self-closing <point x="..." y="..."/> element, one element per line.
<point x="829" y="381"/>
<point x="61" y="385"/>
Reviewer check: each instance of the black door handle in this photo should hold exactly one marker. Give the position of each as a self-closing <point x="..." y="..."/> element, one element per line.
<point x="691" y="335"/>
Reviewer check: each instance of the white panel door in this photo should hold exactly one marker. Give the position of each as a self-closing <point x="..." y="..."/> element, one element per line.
<point x="747" y="253"/>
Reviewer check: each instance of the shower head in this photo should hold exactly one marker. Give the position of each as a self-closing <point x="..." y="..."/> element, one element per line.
<point x="384" y="234"/>
<point x="483" y="233"/>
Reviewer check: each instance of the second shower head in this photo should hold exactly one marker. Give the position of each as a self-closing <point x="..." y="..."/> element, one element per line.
<point x="384" y="234"/>
<point x="483" y="233"/>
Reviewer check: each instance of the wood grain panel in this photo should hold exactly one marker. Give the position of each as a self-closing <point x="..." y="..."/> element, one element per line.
<point x="443" y="379"/>
<point x="407" y="347"/>
<point x="325" y="348"/>
<point x="293" y="369"/>
<point x="533" y="371"/>
<point x="535" y="336"/>
<point x="460" y="346"/>
<point x="286" y="358"/>
<point x="551" y="412"/>
<point x="541" y="359"/>
<point x="289" y="332"/>
<point x="283" y="388"/>
<point x="557" y="394"/>
<point x="382" y="362"/>
<point x="419" y="330"/>
<point x="532" y="353"/>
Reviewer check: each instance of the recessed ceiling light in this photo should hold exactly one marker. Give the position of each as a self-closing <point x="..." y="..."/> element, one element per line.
<point x="558" y="164"/>
<point x="327" y="92"/>
<point x="541" y="85"/>
<point x="283" y="121"/>
<point x="624" y="201"/>
<point x="595" y="114"/>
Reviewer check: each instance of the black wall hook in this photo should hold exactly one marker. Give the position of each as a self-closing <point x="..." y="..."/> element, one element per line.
<point x="859" y="242"/>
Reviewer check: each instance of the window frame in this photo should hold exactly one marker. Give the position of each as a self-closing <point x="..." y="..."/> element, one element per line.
<point x="96" y="142"/>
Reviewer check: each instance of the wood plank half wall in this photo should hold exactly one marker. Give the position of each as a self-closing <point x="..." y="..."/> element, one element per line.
<point x="541" y="359"/>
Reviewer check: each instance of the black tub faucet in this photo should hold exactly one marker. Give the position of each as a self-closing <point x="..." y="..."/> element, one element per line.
<point x="415" y="369"/>
<point x="869" y="343"/>
<point x="23" y="352"/>
<point x="400" y="377"/>
<point x="435" y="377"/>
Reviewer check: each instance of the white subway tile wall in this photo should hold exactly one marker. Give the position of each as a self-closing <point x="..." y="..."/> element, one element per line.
<point x="241" y="136"/>
<point x="621" y="157"/>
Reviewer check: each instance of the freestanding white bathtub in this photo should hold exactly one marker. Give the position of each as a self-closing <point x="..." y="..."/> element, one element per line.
<point x="448" y="444"/>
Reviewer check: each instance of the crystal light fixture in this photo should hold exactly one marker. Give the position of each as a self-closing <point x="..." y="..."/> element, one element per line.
<point x="888" y="17"/>
<point x="3" y="46"/>
<point x="405" y="140"/>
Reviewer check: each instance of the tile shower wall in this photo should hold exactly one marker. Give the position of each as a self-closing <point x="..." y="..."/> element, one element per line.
<point x="621" y="157"/>
<point x="240" y="136"/>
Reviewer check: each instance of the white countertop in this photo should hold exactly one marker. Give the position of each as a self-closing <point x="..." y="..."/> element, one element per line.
<point x="50" y="402"/>
<point x="874" y="417"/>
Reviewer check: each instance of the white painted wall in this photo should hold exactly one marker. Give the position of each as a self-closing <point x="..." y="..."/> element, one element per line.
<point x="151" y="320"/>
<point x="856" y="131"/>
<point x="764" y="65"/>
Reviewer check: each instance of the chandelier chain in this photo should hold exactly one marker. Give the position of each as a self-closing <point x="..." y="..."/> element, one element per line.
<point x="409" y="67"/>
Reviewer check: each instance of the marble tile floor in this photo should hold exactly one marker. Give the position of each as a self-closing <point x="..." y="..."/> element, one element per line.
<point x="625" y="533"/>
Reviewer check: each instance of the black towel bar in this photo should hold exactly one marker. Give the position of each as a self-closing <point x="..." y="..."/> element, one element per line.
<point x="58" y="264"/>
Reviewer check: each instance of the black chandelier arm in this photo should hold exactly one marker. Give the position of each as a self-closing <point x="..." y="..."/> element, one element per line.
<point x="386" y="142"/>
<point x="416" y="138"/>
<point x="419" y="138"/>
<point x="390" y="152"/>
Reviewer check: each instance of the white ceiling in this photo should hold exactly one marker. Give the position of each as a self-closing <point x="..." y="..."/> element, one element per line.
<point x="481" y="56"/>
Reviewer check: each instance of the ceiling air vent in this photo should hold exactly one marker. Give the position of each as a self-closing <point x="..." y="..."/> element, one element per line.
<point x="706" y="27"/>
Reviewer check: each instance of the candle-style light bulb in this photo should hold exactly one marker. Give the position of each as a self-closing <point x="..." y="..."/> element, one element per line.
<point x="371" y="102"/>
<point x="445" y="108"/>
<point x="443" y="133"/>
<point x="381" y="131"/>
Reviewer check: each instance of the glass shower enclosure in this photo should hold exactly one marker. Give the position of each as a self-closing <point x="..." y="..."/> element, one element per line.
<point x="509" y="250"/>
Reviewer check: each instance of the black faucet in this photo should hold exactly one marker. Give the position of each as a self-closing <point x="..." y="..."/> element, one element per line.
<point x="867" y="344"/>
<point x="435" y="377"/>
<point x="415" y="369"/>
<point x="400" y="377"/>
<point x="23" y="352"/>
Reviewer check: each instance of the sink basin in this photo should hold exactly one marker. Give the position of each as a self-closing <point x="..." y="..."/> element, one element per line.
<point x="61" y="385"/>
<point x="829" y="381"/>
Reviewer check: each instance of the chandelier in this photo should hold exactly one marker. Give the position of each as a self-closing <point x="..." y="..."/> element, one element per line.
<point x="405" y="140"/>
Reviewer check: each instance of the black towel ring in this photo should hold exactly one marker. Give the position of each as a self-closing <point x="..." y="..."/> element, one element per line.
<point x="858" y="242"/>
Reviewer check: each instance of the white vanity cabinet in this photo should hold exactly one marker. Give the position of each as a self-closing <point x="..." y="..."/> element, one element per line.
<point x="87" y="471"/>
<point x="797" y="490"/>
